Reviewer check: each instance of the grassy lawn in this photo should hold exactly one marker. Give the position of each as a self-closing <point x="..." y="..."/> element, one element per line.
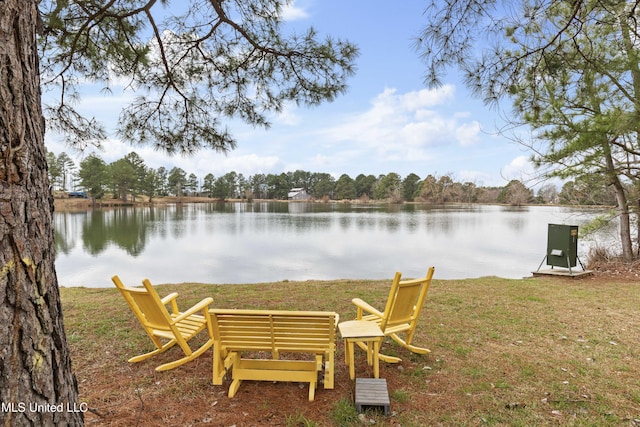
<point x="539" y="351"/>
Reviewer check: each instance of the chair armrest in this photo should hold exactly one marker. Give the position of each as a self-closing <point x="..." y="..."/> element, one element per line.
<point x="363" y="306"/>
<point x="202" y="305"/>
<point x="412" y="281"/>
<point x="171" y="298"/>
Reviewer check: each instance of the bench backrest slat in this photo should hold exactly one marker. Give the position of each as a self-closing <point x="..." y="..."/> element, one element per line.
<point x="274" y="330"/>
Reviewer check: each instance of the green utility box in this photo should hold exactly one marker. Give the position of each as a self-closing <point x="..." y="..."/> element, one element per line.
<point x="562" y="245"/>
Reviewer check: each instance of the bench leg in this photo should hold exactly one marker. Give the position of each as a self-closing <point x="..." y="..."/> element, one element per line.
<point x="233" y="360"/>
<point x="329" y="370"/>
<point x="312" y="390"/>
<point x="218" y="367"/>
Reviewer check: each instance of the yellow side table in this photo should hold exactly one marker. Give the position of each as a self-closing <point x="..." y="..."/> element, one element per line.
<point x="366" y="332"/>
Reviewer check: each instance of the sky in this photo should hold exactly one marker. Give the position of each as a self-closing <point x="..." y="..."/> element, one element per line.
<point x="388" y="121"/>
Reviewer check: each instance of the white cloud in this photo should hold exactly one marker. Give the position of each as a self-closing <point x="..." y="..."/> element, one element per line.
<point x="426" y="98"/>
<point x="218" y="164"/>
<point x="291" y="12"/>
<point x="288" y="116"/>
<point x="476" y="177"/>
<point x="248" y="164"/>
<point x="519" y="168"/>
<point x="405" y="126"/>
<point x="467" y="133"/>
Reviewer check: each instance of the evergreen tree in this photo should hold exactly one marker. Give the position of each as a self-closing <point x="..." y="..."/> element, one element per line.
<point x="345" y="188"/>
<point x="93" y="176"/>
<point x="411" y="187"/>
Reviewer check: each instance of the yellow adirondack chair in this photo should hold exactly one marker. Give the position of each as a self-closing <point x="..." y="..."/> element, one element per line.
<point x="401" y="313"/>
<point x="161" y="325"/>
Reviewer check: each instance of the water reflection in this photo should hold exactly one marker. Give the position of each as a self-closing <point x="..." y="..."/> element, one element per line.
<point x="270" y="241"/>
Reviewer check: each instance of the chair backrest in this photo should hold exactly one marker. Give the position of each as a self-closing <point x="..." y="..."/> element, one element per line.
<point x="146" y="305"/>
<point x="405" y="301"/>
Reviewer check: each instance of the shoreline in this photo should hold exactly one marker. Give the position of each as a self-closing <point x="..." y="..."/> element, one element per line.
<point x="64" y="204"/>
<point x="76" y="205"/>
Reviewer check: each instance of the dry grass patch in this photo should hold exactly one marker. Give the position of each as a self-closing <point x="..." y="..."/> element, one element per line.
<point x="541" y="351"/>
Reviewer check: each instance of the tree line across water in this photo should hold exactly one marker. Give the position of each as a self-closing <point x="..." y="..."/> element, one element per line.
<point x="130" y="176"/>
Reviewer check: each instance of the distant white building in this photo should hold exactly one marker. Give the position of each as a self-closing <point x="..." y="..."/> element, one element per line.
<point x="298" y="194"/>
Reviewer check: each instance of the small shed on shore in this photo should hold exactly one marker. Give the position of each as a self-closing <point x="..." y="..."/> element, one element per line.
<point x="298" y="194"/>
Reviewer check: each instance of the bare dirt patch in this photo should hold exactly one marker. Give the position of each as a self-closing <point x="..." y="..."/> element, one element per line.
<point x="615" y="270"/>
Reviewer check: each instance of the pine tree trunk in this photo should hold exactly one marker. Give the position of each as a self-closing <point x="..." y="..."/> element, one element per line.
<point x="37" y="386"/>
<point x="622" y="205"/>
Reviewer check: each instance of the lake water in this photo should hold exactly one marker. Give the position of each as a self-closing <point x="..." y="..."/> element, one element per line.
<point x="270" y="241"/>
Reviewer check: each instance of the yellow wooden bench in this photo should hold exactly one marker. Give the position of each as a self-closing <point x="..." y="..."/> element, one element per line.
<point x="248" y="332"/>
